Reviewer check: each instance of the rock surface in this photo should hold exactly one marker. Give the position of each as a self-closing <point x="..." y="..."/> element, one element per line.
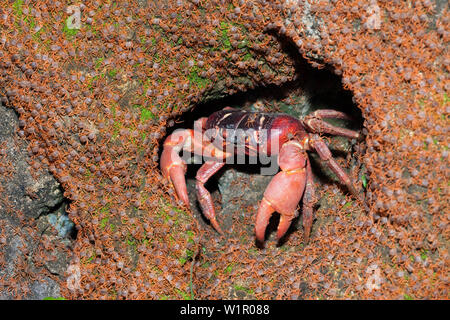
<point x="28" y="199"/>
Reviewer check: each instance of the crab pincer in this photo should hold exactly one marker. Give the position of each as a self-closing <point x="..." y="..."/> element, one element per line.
<point x="284" y="191"/>
<point x="173" y="166"/>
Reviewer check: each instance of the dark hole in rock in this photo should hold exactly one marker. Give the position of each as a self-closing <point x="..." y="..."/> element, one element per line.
<point x="313" y="89"/>
<point x="59" y="219"/>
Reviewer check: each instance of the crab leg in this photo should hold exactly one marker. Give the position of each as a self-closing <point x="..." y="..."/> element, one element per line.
<point x="315" y="123"/>
<point x="284" y="191"/>
<point x="308" y="201"/>
<point x="206" y="171"/>
<point x="329" y="113"/>
<point x="325" y="154"/>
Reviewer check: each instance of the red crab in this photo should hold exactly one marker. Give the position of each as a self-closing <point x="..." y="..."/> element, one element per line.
<point x="231" y="132"/>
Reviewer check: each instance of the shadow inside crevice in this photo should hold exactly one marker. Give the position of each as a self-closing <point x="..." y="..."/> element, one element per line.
<point x="322" y="89"/>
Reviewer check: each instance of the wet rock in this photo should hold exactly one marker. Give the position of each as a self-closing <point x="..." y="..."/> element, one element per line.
<point x="240" y="189"/>
<point x="59" y="221"/>
<point x="47" y="288"/>
<point x="28" y="199"/>
<point x="31" y="195"/>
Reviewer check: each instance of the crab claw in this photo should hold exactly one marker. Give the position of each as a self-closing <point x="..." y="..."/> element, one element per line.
<point x="205" y="172"/>
<point x="173" y="166"/>
<point x="284" y="191"/>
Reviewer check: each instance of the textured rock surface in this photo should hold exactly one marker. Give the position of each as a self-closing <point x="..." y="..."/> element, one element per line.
<point x="28" y="198"/>
<point x="142" y="66"/>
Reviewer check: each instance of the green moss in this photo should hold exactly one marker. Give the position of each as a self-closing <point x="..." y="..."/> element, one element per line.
<point x="229" y="268"/>
<point x="243" y="44"/>
<point x="36" y="36"/>
<point x="183" y="294"/>
<point x="104" y="222"/>
<point x="247" y="56"/>
<point x="105" y="209"/>
<point x="190" y="234"/>
<point x="347" y="204"/>
<point x="91" y="28"/>
<point x="113" y="294"/>
<point x="132" y="243"/>
<point x="112" y="73"/>
<point x="435" y="141"/>
<point x="424" y="254"/>
<point x="196" y="79"/>
<point x="94" y="79"/>
<point x="70" y="33"/>
<point x="116" y="129"/>
<point x="98" y="62"/>
<point x="88" y="173"/>
<point x="30" y="21"/>
<point x="421" y="102"/>
<point x="54" y="298"/>
<point x="162" y="214"/>
<point x="157" y="270"/>
<point x="364" y="181"/>
<point x="89" y="260"/>
<point x="226" y="43"/>
<point x="18" y="8"/>
<point x="242" y="288"/>
<point x="188" y="254"/>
